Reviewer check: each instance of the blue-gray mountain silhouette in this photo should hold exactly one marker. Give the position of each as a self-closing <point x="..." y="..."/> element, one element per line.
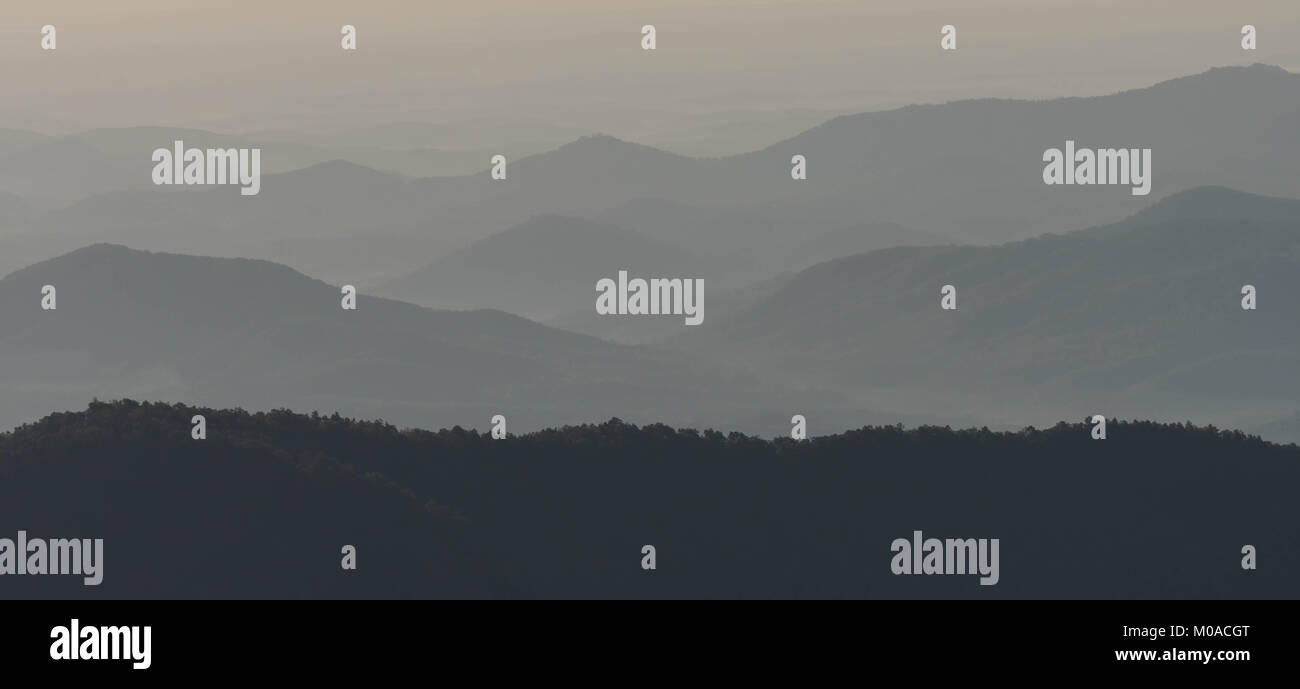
<point x="970" y="170"/>
<point x="1140" y="317"/>
<point x="256" y="334"/>
<point x="543" y="268"/>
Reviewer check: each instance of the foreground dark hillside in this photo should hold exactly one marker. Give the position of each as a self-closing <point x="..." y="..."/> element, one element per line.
<point x="233" y="516"/>
<point x="263" y="505"/>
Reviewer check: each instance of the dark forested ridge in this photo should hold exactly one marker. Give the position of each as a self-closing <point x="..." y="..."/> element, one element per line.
<point x="262" y="507"/>
<point x="242" y="515"/>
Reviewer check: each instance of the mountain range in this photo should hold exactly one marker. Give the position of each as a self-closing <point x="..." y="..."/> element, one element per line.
<point x="1139" y="317"/>
<point x="966" y="171"/>
<point x="262" y="507"/>
<point x="543" y="268"/>
<point x="821" y="294"/>
<point x="168" y="327"/>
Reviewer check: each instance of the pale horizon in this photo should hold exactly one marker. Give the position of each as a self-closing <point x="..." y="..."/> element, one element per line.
<point x="576" y="64"/>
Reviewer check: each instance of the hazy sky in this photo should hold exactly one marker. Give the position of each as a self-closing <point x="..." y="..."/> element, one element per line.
<point x="237" y="65"/>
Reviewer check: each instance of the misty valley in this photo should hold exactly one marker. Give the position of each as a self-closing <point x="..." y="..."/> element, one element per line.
<point x="1000" y="347"/>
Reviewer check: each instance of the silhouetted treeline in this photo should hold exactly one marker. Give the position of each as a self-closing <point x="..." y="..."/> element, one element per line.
<point x="264" y="504"/>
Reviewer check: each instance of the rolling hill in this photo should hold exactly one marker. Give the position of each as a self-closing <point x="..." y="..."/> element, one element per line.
<point x="966" y="170"/>
<point x="257" y="334"/>
<point x="261" y="507"/>
<point x="542" y="268"/>
<point x="238" y="515"/>
<point x="1142" y="317"/>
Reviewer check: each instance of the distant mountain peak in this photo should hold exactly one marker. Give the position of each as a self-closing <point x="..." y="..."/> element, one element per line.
<point x="340" y="167"/>
<point x="133" y="263"/>
<point x="604" y="144"/>
<point x="1257" y="70"/>
<point x="1218" y="202"/>
<point x="1226" y="74"/>
<point x="102" y="249"/>
<point x="102" y="246"/>
<point x="1261" y="67"/>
